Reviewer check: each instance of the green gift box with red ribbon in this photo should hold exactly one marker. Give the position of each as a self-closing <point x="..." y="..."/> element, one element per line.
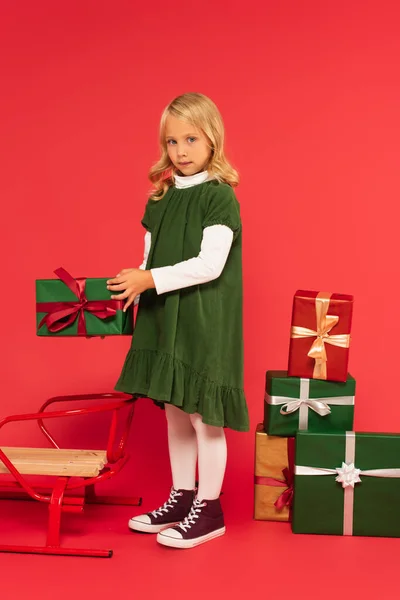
<point x="80" y="306"/>
<point x="347" y="484"/>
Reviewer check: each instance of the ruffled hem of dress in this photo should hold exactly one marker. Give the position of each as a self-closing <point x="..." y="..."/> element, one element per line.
<point x="165" y="379"/>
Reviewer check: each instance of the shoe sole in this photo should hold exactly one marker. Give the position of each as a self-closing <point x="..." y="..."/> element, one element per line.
<point x="147" y="528"/>
<point x="166" y="540"/>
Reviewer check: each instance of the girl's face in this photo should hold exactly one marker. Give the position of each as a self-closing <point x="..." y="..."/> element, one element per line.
<point x="188" y="148"/>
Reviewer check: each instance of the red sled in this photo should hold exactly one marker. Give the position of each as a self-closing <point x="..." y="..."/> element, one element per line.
<point x="69" y="469"/>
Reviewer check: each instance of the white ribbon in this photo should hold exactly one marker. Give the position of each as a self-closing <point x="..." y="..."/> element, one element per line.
<point x="348" y="475"/>
<point x="319" y="405"/>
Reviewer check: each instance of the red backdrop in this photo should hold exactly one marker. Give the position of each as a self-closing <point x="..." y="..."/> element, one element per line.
<point x="310" y="96"/>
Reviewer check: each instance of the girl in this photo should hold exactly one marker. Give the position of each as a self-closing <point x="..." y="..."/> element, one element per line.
<point x="187" y="349"/>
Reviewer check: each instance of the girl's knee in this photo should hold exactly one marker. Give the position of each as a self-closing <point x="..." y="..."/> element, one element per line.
<point x="176" y="417"/>
<point x="196" y="420"/>
<point x="200" y="427"/>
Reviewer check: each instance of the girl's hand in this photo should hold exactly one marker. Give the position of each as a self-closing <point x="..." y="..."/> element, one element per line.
<point x="131" y="282"/>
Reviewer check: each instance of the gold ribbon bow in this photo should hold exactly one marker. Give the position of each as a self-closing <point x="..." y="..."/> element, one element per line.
<point x="325" y="323"/>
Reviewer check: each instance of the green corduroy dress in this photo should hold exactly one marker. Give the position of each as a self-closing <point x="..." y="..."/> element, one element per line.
<point x="187" y="347"/>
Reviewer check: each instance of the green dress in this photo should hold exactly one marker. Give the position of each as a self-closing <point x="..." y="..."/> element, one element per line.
<point x="187" y="347"/>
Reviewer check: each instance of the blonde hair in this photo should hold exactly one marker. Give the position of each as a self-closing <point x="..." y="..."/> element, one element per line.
<point x="201" y="112"/>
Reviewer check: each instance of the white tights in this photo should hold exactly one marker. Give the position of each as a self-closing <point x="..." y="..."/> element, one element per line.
<point x="189" y="440"/>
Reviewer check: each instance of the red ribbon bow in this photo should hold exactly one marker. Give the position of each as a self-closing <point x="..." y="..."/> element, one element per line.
<point x="286" y="498"/>
<point x="61" y="314"/>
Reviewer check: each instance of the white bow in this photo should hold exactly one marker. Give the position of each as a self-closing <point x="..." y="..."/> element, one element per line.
<point x="318" y="406"/>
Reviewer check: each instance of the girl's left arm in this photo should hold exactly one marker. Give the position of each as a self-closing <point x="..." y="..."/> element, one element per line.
<point x="207" y="266"/>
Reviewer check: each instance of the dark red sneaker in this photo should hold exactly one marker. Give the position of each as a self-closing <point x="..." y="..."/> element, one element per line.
<point x="204" y="523"/>
<point x="174" y="510"/>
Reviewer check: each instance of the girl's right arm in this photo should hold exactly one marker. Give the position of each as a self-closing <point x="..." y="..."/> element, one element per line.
<point x="147" y="245"/>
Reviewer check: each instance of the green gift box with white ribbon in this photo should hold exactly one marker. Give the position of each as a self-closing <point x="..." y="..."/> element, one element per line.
<point x="293" y="404"/>
<point x="347" y="484"/>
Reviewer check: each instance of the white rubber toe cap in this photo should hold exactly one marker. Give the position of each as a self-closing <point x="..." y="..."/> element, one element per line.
<point x="143" y="523"/>
<point x="141" y="519"/>
<point x="172" y="533"/>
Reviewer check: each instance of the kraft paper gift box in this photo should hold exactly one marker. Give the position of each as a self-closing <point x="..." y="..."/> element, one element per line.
<point x="320" y="335"/>
<point x="347" y="484"/>
<point x="79" y="307"/>
<point x="274" y="457"/>
<point x="293" y="404"/>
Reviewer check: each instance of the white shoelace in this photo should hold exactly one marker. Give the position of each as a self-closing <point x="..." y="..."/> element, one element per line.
<point x="192" y="516"/>
<point x="167" y="505"/>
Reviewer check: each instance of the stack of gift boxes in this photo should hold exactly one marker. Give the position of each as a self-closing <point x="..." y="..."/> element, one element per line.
<point x="311" y="468"/>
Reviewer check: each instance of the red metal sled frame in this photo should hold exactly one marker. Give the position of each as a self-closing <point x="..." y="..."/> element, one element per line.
<point x="57" y="497"/>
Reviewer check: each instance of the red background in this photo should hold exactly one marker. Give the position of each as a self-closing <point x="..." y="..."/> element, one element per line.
<point x="310" y="95"/>
<point x="310" y="98"/>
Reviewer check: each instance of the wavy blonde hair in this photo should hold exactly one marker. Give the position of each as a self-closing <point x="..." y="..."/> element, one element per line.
<point x="201" y="112"/>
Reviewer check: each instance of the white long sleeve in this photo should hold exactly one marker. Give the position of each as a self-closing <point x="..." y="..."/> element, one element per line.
<point x="207" y="266"/>
<point x="147" y="245"/>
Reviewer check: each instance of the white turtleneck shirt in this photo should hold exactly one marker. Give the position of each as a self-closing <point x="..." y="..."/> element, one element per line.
<point x="206" y="266"/>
